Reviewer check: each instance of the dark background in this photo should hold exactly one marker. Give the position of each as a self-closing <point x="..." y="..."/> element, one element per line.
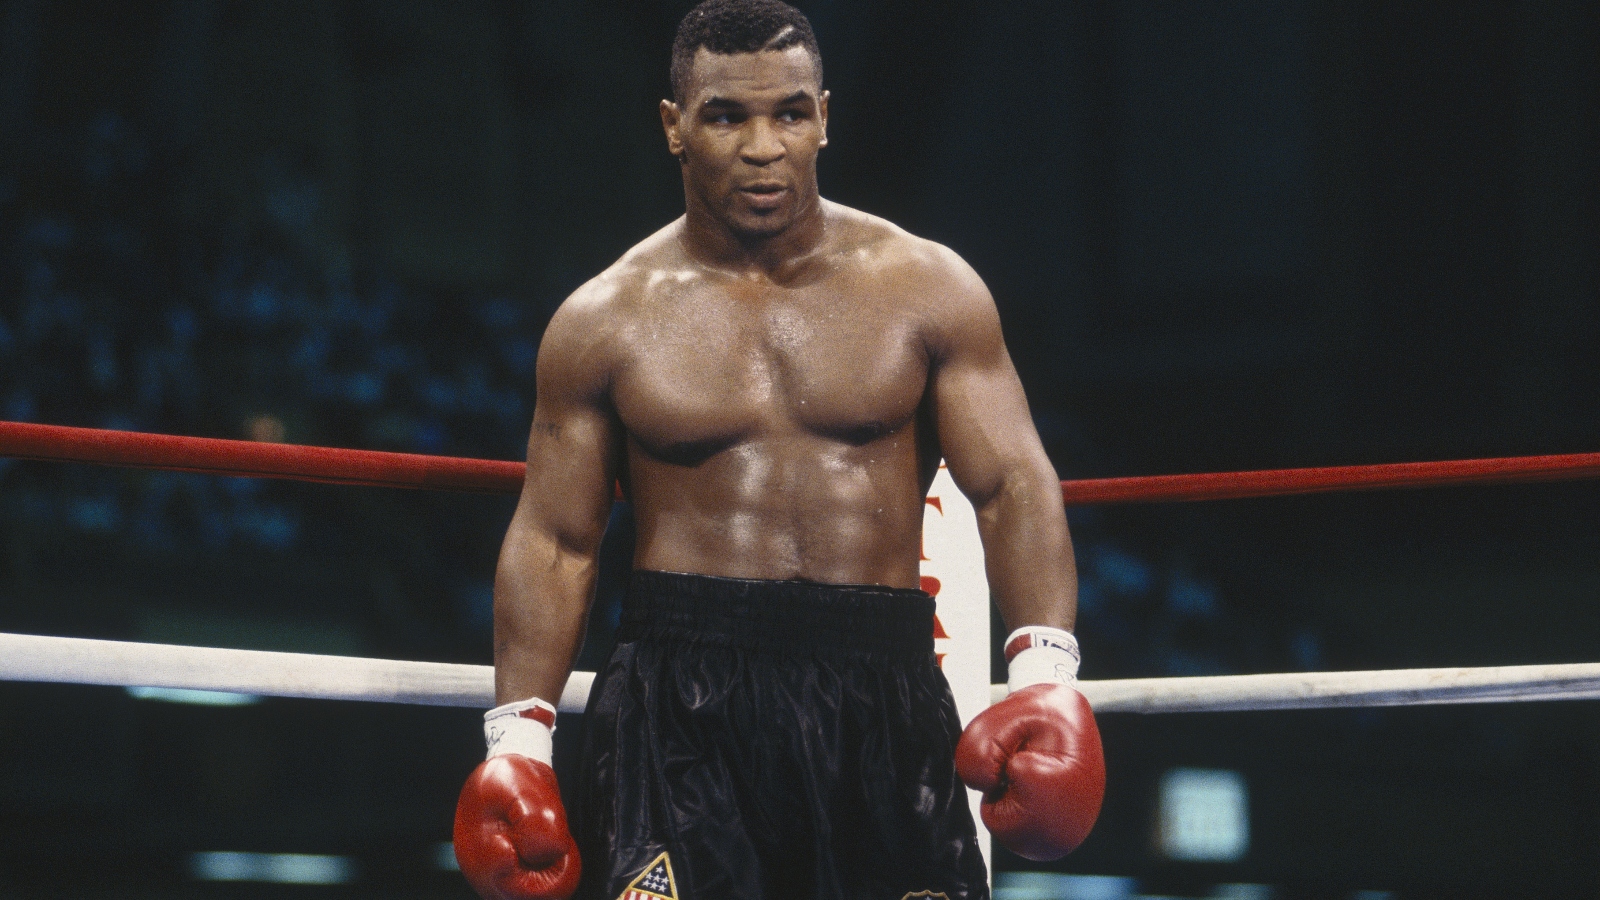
<point x="1228" y="235"/>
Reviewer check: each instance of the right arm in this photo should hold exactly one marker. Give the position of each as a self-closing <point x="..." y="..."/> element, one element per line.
<point x="511" y="834"/>
<point x="544" y="583"/>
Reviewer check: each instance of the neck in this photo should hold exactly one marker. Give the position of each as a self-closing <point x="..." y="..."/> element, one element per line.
<point x="710" y="241"/>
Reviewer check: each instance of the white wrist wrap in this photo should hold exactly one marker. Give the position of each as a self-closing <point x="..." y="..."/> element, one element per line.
<point x="522" y="728"/>
<point x="1040" y="655"/>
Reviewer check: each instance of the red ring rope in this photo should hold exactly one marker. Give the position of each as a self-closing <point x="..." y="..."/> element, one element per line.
<point x="373" y="468"/>
<point x="251" y="459"/>
<point x="1284" y="482"/>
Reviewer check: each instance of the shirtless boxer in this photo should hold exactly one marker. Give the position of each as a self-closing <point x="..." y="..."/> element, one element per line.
<point x="773" y="378"/>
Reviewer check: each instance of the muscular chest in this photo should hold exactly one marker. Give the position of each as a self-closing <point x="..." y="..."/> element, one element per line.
<point x="710" y="371"/>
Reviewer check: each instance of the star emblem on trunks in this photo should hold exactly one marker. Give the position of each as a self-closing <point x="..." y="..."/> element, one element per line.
<point x="654" y="883"/>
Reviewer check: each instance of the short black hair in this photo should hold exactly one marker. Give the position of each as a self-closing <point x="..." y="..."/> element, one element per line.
<point x="739" y="26"/>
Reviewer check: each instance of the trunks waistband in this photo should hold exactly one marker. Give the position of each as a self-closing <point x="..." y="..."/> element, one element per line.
<point x="793" y="616"/>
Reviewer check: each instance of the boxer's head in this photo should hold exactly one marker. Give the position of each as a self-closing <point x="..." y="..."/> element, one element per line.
<point x="748" y="113"/>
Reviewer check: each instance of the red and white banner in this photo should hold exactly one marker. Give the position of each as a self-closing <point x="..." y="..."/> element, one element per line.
<point x="952" y="571"/>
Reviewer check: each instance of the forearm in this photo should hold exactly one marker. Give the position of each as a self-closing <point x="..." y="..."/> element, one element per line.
<point x="1027" y="549"/>
<point x="512" y="801"/>
<point x="542" y="594"/>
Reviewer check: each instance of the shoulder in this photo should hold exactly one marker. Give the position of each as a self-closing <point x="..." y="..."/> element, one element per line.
<point x="584" y="336"/>
<point x="618" y="289"/>
<point x="606" y="304"/>
<point x="932" y="280"/>
<point x="934" y="270"/>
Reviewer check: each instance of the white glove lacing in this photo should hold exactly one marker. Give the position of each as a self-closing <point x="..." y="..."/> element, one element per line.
<point x="523" y="728"/>
<point x="1037" y="654"/>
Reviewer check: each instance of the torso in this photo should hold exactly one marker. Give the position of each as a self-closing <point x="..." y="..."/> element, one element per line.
<point x="776" y="430"/>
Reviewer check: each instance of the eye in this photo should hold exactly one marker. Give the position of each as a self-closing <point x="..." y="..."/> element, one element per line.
<point x="791" y="115"/>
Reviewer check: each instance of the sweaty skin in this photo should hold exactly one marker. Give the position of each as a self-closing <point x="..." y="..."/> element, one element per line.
<point x="774" y="378"/>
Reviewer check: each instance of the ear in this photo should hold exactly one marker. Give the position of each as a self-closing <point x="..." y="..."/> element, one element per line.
<point x="671" y="122"/>
<point x="822" y="117"/>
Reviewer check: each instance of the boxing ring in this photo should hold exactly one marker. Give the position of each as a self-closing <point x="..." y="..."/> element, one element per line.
<point x="952" y="570"/>
<point x="36" y="658"/>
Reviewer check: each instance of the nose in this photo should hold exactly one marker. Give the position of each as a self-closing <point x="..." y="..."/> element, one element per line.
<point x="761" y="146"/>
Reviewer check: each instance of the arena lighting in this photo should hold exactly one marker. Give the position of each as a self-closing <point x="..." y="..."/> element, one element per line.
<point x="1242" y="891"/>
<point x="1204" y="816"/>
<point x="194" y="697"/>
<point x="1059" y="886"/>
<point x="272" y="868"/>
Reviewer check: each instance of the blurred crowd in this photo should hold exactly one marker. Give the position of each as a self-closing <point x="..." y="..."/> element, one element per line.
<point x="110" y="319"/>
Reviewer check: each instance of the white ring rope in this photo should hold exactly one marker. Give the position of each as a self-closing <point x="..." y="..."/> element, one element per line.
<point x="26" y="657"/>
<point x="1322" y="690"/>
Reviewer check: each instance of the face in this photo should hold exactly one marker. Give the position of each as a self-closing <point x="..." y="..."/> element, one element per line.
<point x="748" y="135"/>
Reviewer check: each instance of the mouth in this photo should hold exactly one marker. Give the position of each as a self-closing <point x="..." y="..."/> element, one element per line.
<point x="764" y="194"/>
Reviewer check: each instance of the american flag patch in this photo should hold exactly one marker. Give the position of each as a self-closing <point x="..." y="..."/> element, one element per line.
<point x="654" y="883"/>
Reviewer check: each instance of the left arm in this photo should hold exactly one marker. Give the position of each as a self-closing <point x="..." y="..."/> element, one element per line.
<point x="1035" y="755"/>
<point x="994" y="455"/>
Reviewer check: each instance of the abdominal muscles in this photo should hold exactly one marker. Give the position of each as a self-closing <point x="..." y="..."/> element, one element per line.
<point x="794" y="505"/>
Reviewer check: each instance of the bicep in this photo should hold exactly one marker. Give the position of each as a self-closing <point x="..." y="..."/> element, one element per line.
<point x="567" y="494"/>
<point x="573" y="449"/>
<point x="985" y="430"/>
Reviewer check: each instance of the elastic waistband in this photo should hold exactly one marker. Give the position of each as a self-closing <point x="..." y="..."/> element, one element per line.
<point x="792" y="616"/>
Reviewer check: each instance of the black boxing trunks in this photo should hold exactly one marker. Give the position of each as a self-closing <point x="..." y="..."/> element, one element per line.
<point x="769" y="740"/>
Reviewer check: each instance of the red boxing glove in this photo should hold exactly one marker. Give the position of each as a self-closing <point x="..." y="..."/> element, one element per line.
<point x="511" y="833"/>
<point x="1036" y="754"/>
